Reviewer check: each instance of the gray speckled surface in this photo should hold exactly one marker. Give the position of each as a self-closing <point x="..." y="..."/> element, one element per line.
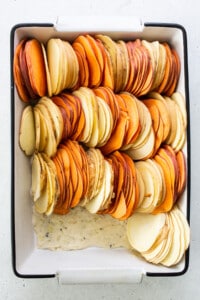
<point x="182" y="12"/>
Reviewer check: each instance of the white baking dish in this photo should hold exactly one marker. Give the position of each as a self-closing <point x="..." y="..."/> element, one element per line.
<point x="92" y="264"/>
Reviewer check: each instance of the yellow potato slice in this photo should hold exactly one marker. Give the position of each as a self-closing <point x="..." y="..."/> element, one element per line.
<point x="27" y="133"/>
<point x="144" y="229"/>
<point x="88" y="112"/>
<point x="175" y="249"/>
<point x="38" y="178"/>
<point x="53" y="58"/>
<point x="147" y="204"/>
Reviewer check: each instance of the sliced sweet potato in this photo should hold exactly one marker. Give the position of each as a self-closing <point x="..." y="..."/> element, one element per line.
<point x="36" y="67"/>
<point x="182" y="178"/>
<point x="95" y="74"/>
<point x="131" y="47"/>
<point x="97" y="51"/>
<point x="130" y="196"/>
<point x="133" y="120"/>
<point x="83" y="64"/>
<point x="176" y="65"/>
<point x="18" y="78"/>
<point x="169" y="175"/>
<point x="115" y="142"/>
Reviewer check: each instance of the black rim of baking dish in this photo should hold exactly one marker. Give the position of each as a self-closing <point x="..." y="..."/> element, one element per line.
<point x="13" y="244"/>
<point x="152" y="274"/>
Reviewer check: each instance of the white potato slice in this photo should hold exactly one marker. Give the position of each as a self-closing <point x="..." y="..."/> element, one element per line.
<point x="51" y="145"/>
<point x="109" y="176"/>
<point x="48" y="194"/>
<point x="185" y="226"/>
<point x="180" y="101"/>
<point x="41" y="204"/>
<point x="111" y="47"/>
<point x="146" y="125"/>
<point x="151" y="255"/>
<point x="182" y="236"/>
<point x="55" y="116"/>
<point x="53" y="58"/>
<point x="27" y="133"/>
<point x="51" y="186"/>
<point x="144" y="229"/>
<point x="175" y="249"/>
<point x="61" y="66"/>
<point x="160" y="71"/>
<point x="88" y="112"/>
<point x="145" y="150"/>
<point x="91" y="99"/>
<point x="41" y="130"/>
<point x="167" y="246"/>
<point x="95" y="203"/>
<point x="43" y="133"/>
<point x="38" y="177"/>
<point x="158" y="180"/>
<point x="171" y="106"/>
<point x="180" y="136"/>
<point x="37" y="128"/>
<point x="72" y="66"/>
<point x="107" y="124"/>
<point x="149" y="189"/>
<point x="148" y="45"/>
<point x="47" y="71"/>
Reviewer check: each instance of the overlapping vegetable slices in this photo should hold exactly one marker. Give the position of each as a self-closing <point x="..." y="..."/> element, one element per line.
<point x="111" y="136"/>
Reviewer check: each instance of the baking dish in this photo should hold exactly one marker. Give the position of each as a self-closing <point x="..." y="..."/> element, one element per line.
<point x="92" y="264"/>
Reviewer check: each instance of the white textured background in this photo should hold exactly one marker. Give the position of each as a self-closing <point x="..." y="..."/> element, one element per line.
<point x="183" y="12"/>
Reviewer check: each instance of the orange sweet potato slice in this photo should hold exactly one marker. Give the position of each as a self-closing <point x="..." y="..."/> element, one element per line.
<point x="85" y="170"/>
<point x="120" y="209"/>
<point x="59" y="101"/>
<point x="25" y="75"/>
<point x="18" y="79"/>
<point x="36" y="67"/>
<point x="79" y="117"/>
<point x="68" y="184"/>
<point x="157" y="123"/>
<point x="132" y="203"/>
<point x="149" y="74"/>
<point x="129" y="186"/>
<point x="134" y="120"/>
<point x="172" y="76"/>
<point x="165" y="160"/>
<point x="177" y="65"/>
<point x="65" y="122"/>
<point x="95" y="73"/>
<point x="59" y="207"/>
<point x="167" y="203"/>
<point x="115" y="141"/>
<point x="172" y="155"/>
<point x="76" y="175"/>
<point x="83" y="64"/>
<point x="131" y="47"/>
<point x="74" y="110"/>
<point x="142" y="62"/>
<point x="118" y="184"/>
<point x="182" y="177"/>
<point x="97" y="51"/>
